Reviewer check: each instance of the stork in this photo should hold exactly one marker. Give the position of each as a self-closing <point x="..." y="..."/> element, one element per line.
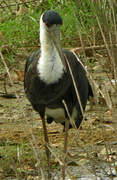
<point x="48" y="81"/>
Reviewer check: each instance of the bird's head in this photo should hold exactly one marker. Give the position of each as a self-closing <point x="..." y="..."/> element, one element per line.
<point x="52" y="19"/>
<point x="50" y="22"/>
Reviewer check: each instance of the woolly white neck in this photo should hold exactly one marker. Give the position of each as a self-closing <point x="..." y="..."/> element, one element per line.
<point x="50" y="67"/>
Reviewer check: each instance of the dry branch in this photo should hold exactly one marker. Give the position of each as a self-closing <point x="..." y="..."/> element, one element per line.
<point x="98" y="47"/>
<point x="21" y="3"/>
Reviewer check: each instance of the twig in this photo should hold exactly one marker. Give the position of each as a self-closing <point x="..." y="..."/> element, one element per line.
<point x="18" y="4"/>
<point x="9" y="7"/>
<point x="71" y="120"/>
<point x="98" y="47"/>
<point x="38" y="157"/>
<point x="74" y="83"/>
<point x="4" y="63"/>
<point x="107" y="46"/>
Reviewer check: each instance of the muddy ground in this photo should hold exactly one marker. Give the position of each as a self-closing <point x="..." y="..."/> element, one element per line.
<point x="92" y="150"/>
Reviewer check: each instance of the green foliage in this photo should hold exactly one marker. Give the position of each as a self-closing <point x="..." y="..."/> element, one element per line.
<point x="20" y="30"/>
<point x="15" y="158"/>
<point x="78" y="17"/>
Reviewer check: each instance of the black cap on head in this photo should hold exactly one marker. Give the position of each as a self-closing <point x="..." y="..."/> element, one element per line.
<point x="52" y="17"/>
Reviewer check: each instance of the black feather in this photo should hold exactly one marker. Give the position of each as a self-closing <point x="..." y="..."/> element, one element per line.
<point x="42" y="95"/>
<point x="52" y="17"/>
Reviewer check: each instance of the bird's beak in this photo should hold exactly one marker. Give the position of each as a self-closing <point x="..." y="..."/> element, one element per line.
<point x="56" y="42"/>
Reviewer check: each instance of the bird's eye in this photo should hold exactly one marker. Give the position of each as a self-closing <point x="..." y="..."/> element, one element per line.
<point x="48" y="25"/>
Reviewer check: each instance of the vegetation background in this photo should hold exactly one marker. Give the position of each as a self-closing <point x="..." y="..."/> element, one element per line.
<point x="90" y="30"/>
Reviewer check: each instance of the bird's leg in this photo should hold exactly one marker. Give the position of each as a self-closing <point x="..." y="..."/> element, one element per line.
<point x="65" y="147"/>
<point x="46" y="144"/>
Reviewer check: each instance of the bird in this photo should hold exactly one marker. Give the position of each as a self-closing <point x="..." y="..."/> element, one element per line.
<point x="49" y="84"/>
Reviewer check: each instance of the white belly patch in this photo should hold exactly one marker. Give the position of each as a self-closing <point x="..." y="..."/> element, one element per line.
<point x="59" y="114"/>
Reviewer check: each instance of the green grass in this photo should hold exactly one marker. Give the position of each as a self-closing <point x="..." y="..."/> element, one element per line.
<point x="78" y="17"/>
<point x="23" y="30"/>
<point x="20" y="30"/>
<point x="16" y="159"/>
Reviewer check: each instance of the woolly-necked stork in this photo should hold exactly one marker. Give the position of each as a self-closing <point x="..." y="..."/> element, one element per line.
<point x="48" y="82"/>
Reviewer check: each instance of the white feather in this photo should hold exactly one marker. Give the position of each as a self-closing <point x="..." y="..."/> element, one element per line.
<point x="59" y="114"/>
<point x="50" y="67"/>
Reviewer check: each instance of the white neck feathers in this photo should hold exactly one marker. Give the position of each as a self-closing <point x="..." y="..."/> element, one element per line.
<point x="49" y="66"/>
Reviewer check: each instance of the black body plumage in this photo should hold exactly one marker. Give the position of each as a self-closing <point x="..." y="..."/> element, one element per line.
<point x="49" y="85"/>
<point x="42" y="95"/>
